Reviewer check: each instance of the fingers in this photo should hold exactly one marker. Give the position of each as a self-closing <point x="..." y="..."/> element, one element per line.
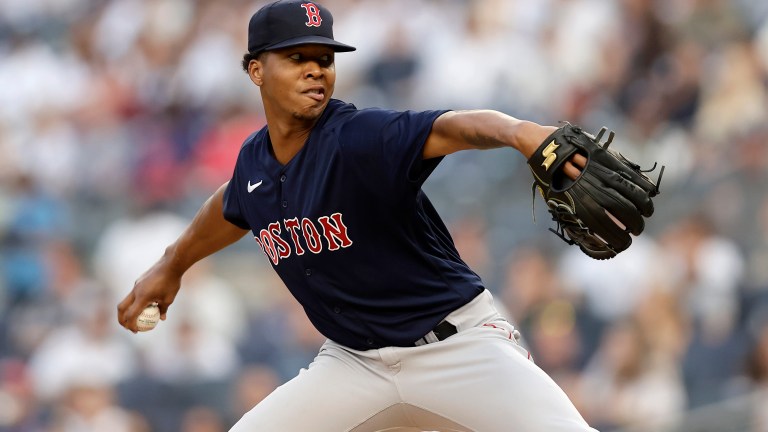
<point x="163" y="309"/>
<point x="125" y="312"/>
<point x="579" y="160"/>
<point x="572" y="167"/>
<point x="571" y="170"/>
<point x="129" y="309"/>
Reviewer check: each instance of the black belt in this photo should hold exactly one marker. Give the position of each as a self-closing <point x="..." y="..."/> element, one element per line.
<point x="442" y="331"/>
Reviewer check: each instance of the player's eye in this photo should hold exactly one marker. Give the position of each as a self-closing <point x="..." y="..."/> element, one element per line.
<point x="296" y="57"/>
<point x="326" y="60"/>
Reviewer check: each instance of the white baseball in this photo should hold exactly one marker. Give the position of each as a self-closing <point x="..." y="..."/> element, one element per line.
<point x="148" y="318"/>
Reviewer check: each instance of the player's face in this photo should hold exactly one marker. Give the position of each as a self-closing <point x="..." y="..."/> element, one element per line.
<point x="297" y="81"/>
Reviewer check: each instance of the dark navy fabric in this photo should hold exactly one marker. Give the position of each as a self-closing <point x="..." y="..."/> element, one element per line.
<point x="347" y="227"/>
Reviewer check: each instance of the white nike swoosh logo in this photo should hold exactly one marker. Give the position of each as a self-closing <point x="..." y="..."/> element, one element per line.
<point x="252" y="187"/>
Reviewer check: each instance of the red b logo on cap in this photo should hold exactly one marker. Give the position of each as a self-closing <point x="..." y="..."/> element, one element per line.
<point x="313" y="14"/>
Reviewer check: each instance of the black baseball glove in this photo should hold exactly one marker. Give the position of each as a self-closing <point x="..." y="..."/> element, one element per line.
<point x="608" y="200"/>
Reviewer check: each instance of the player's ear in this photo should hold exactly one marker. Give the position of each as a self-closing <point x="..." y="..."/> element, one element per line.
<point x="256" y="70"/>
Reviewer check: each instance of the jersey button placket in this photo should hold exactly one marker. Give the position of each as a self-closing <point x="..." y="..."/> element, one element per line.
<point x="283" y="201"/>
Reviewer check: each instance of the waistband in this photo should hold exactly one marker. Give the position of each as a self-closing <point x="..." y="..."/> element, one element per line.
<point x="478" y="311"/>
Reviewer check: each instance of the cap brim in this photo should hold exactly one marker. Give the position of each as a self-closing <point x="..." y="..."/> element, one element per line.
<point x="317" y="40"/>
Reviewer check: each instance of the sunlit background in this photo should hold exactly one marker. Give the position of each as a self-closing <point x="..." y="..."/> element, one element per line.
<point x="119" y="118"/>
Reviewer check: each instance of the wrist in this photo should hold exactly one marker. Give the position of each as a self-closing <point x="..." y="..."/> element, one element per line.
<point x="173" y="262"/>
<point x="528" y="136"/>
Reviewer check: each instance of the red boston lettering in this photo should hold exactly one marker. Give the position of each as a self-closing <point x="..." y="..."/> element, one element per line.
<point x="311" y="236"/>
<point x="305" y="235"/>
<point x="335" y="232"/>
<point x="292" y="226"/>
<point x="283" y="248"/>
<point x="268" y="245"/>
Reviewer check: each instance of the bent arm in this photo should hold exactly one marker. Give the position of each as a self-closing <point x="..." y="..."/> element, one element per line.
<point x="208" y="233"/>
<point x="483" y="129"/>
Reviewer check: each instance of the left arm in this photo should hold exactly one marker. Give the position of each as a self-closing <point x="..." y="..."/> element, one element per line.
<point x="486" y="129"/>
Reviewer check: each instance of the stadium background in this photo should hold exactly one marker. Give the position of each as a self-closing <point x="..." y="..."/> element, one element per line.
<point x="118" y="118"/>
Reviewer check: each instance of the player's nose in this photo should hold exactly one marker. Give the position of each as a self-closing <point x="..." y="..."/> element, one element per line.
<point x="312" y="69"/>
<point x="313" y="74"/>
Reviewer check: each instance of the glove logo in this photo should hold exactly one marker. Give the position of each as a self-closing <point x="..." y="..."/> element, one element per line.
<point x="549" y="155"/>
<point x="313" y="15"/>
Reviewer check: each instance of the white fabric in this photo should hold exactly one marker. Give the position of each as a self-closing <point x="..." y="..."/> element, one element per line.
<point x="478" y="380"/>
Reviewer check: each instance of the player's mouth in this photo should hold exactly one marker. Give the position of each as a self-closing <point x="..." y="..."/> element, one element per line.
<point x="315" y="92"/>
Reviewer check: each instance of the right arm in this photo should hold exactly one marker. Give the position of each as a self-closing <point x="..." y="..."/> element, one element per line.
<point x="208" y="233"/>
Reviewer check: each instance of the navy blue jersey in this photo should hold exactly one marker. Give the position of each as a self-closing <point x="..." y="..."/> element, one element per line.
<point x="347" y="227"/>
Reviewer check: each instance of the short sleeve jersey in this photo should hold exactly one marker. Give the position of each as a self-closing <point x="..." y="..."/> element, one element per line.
<point x="348" y="228"/>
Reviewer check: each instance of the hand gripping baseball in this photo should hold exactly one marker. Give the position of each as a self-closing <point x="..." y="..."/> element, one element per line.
<point x="608" y="201"/>
<point x="158" y="285"/>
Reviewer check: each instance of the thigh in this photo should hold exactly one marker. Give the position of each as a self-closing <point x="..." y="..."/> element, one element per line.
<point x="484" y="380"/>
<point x="337" y="392"/>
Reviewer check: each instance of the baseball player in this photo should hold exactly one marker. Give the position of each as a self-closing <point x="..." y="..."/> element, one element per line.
<point x="332" y="195"/>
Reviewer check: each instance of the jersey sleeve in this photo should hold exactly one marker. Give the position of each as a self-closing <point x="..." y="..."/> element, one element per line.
<point x="231" y="205"/>
<point x="391" y="143"/>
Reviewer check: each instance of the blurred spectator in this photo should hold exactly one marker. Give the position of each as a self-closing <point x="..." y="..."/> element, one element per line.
<point x="253" y="383"/>
<point x="708" y="272"/>
<point x="556" y="344"/>
<point x="128" y="246"/>
<point x="470" y="235"/>
<point x="612" y="289"/>
<point x="202" y="419"/>
<point x="68" y="289"/>
<point x="393" y="73"/>
<point x="528" y="283"/>
<point x="468" y="47"/>
<point x="757" y="372"/>
<point x="88" y="405"/>
<point x="93" y="348"/>
<point x="757" y="271"/>
<point x="712" y="22"/>
<point x="139" y="107"/>
<point x="184" y="365"/>
<point x="19" y="411"/>
<point x="560" y="333"/>
<point x="214" y="155"/>
<point x="282" y="337"/>
<point x="662" y="316"/>
<point x="619" y="380"/>
<point x="757" y="367"/>
<point x="211" y="300"/>
<point x="190" y="355"/>
<point x="34" y="219"/>
<point x="735" y="98"/>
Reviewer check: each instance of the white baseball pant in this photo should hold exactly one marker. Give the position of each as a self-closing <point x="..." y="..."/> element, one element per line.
<point x="478" y="380"/>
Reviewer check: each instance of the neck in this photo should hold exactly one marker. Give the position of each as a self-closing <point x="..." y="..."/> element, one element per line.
<point x="287" y="134"/>
<point x="286" y="141"/>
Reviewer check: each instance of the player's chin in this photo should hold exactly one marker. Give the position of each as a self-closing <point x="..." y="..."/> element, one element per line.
<point x="311" y="111"/>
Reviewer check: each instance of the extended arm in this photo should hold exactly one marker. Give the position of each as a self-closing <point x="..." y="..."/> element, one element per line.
<point x="208" y="233"/>
<point x="486" y="129"/>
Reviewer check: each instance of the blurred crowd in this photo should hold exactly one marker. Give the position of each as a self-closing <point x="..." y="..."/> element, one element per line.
<point x="119" y="117"/>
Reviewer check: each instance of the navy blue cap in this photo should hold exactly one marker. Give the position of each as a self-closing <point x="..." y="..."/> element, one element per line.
<point x="289" y="23"/>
